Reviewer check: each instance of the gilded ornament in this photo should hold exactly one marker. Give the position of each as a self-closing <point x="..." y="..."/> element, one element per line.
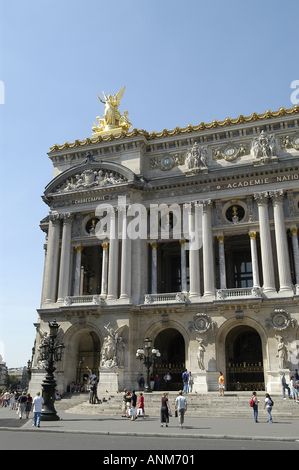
<point x="112" y="121"/>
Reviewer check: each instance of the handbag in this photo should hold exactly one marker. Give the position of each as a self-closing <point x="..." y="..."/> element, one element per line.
<point x="132" y="412"/>
<point x="169" y="414"/>
<point x="176" y="413"/>
<point x="140" y="412"/>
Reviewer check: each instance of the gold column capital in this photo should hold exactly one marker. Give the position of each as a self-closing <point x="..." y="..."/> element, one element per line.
<point x="252" y="235"/>
<point x="294" y="230"/>
<point x="154" y="245"/>
<point x="105" y="246"/>
<point x="220" y="238"/>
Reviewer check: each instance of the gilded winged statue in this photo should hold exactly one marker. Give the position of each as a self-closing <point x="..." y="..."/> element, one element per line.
<point x="112" y="120"/>
<point x="112" y="115"/>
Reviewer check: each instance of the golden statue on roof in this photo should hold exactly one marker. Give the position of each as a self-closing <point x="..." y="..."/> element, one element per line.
<point x="112" y="121"/>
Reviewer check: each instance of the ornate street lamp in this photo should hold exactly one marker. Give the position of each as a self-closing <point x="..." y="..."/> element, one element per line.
<point x="50" y="352"/>
<point x="147" y="357"/>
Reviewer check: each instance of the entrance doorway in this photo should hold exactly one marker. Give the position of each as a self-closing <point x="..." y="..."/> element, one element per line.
<point x="244" y="360"/>
<point x="88" y="356"/>
<point x="171" y="345"/>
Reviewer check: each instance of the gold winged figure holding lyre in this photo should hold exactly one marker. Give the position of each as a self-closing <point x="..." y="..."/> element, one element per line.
<point x="112" y="120"/>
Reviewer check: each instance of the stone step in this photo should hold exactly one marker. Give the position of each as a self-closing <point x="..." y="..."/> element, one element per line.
<point x="209" y="405"/>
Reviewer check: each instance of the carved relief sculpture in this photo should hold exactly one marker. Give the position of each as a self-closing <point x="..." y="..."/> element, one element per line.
<point x="263" y="147"/>
<point x="196" y="158"/>
<point x="113" y="348"/>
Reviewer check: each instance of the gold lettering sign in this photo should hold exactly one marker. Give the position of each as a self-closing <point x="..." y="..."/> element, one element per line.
<point x="255" y="182"/>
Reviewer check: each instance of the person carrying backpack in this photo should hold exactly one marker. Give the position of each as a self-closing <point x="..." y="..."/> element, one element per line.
<point x="268" y="405"/>
<point x="185" y="378"/>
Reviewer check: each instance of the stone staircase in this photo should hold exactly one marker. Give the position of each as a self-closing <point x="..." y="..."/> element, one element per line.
<point x="232" y="405"/>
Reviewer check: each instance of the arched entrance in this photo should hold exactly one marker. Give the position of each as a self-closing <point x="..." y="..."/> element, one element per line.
<point x="88" y="355"/>
<point x="82" y="354"/>
<point x="171" y="345"/>
<point x="244" y="359"/>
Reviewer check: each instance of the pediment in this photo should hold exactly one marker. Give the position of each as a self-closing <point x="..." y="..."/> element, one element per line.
<point x="90" y="175"/>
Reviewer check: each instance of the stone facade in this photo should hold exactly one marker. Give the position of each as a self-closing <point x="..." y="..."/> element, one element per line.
<point x="188" y="237"/>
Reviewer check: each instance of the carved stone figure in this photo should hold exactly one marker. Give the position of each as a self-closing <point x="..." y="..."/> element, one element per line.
<point x="264" y="147"/>
<point x="196" y="158"/>
<point x="201" y="353"/>
<point x="282" y="353"/>
<point x="113" y="348"/>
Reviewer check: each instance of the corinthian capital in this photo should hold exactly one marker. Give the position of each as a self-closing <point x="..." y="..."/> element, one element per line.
<point x="261" y="198"/>
<point x="277" y="196"/>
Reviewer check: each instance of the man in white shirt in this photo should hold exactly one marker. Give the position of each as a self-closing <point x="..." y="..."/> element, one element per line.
<point x="181" y="407"/>
<point x="38" y="404"/>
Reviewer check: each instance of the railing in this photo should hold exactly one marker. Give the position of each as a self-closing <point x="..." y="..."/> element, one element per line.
<point x="83" y="299"/>
<point x="253" y="292"/>
<point x="178" y="297"/>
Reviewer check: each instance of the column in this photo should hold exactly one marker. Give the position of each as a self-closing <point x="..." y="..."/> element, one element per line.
<point x="294" y="232"/>
<point x="254" y="260"/>
<point x="126" y="262"/>
<point x="77" y="284"/>
<point x="113" y="257"/>
<point x="154" y="267"/>
<point x="64" y="273"/>
<point x="222" y="262"/>
<point x="52" y="258"/>
<point x="207" y="243"/>
<point x="183" y="266"/>
<point x="104" y="283"/>
<point x="193" y="255"/>
<point x="266" y="246"/>
<point x="283" y="259"/>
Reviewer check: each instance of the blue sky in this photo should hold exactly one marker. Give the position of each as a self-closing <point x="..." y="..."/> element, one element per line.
<point x="183" y="62"/>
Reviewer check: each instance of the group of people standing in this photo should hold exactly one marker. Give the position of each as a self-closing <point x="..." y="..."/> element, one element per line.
<point x="23" y="403"/>
<point x="129" y="405"/>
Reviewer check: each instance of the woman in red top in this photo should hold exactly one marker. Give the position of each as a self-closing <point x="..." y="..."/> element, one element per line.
<point x="141" y="405"/>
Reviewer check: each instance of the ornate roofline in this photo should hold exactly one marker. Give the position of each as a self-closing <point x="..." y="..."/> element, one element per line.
<point x="177" y="131"/>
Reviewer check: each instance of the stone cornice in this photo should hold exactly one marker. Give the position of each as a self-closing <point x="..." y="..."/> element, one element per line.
<point x="214" y="126"/>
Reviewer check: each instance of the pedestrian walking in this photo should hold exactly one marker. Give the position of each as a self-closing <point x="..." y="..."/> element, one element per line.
<point x="28" y="405"/>
<point x="6" y="398"/>
<point x="38" y="404"/>
<point x="268" y="405"/>
<point x="22" y="404"/>
<point x="164" y="410"/>
<point x="254" y="404"/>
<point x="221" y="384"/>
<point x="181" y="407"/>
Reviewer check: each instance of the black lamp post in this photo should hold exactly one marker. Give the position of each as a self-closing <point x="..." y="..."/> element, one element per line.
<point x="50" y="352"/>
<point x="147" y="357"/>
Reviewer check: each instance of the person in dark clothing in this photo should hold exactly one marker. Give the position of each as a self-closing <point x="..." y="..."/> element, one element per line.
<point x="133" y="405"/>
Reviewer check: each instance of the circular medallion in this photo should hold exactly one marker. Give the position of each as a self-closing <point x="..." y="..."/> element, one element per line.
<point x="167" y="163"/>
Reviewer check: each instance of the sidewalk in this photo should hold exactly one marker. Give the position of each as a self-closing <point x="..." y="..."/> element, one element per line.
<point x="207" y="428"/>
